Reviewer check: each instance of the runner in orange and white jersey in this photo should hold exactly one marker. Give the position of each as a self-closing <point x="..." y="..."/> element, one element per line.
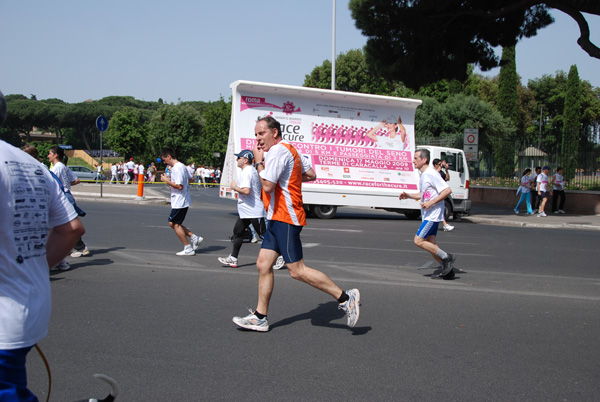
<point x="281" y="172"/>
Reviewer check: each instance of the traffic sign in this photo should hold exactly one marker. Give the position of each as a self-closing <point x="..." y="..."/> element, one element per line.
<point x="101" y="123"/>
<point x="471" y="136"/>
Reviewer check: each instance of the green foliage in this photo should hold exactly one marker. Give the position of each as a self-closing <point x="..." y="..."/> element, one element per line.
<point x="217" y="116"/>
<point x="127" y="134"/>
<point x="179" y="127"/>
<point x="504" y="154"/>
<point x="352" y="75"/>
<point x="422" y="41"/>
<point x="572" y="124"/>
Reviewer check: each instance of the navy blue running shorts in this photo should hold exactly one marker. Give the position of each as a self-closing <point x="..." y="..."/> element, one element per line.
<point x="178" y="215"/>
<point x="284" y="239"/>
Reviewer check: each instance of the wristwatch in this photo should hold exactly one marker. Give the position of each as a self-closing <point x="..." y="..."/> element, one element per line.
<point x="259" y="163"/>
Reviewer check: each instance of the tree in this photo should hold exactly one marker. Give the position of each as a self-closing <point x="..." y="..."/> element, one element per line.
<point x="127" y="134"/>
<point x="216" y="132"/>
<point x="504" y="154"/>
<point x="422" y="41"/>
<point x="352" y="75"/>
<point x="572" y="124"/>
<point x="179" y="127"/>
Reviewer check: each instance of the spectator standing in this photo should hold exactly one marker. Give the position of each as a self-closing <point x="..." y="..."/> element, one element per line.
<point x="113" y="173"/>
<point x="179" y="181"/>
<point x="558" y="186"/>
<point x="152" y="173"/>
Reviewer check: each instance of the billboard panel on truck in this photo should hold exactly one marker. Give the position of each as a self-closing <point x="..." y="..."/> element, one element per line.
<point x="358" y="144"/>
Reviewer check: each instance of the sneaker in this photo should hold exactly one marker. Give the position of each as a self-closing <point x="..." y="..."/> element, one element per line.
<point x="448" y="228"/>
<point x="254" y="240"/>
<point x="517" y="212"/>
<point x="279" y="263"/>
<point x="352" y="307"/>
<point x="561" y="211"/>
<point x="196" y="240"/>
<point x="447" y="264"/>
<point x="252" y="322"/>
<point x="556" y="212"/>
<point x="231" y="261"/>
<point x="62" y="266"/>
<point x="77" y="254"/>
<point x="187" y="251"/>
<point x="542" y="215"/>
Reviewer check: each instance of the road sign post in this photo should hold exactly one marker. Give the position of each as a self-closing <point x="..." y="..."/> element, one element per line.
<point x="102" y="125"/>
<point x="471" y="144"/>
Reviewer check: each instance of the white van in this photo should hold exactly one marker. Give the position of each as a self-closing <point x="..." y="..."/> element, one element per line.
<point x="361" y="146"/>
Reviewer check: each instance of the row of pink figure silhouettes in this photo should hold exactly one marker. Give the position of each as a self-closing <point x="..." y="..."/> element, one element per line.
<point x="342" y="135"/>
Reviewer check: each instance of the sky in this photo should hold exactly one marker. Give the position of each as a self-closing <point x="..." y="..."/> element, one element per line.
<point x="190" y="50"/>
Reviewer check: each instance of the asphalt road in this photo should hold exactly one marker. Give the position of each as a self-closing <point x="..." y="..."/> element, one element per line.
<point x="519" y="322"/>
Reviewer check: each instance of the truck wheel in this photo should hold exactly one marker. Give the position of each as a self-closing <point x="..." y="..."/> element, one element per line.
<point x="324" y="211"/>
<point x="447" y="210"/>
<point x="413" y="214"/>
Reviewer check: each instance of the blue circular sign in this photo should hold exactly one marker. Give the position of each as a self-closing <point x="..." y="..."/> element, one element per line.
<point x="101" y="123"/>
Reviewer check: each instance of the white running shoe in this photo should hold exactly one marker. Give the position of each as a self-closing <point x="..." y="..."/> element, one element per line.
<point x="279" y="263"/>
<point x="231" y="261"/>
<point x="252" y="322"/>
<point x="77" y="254"/>
<point x="542" y="215"/>
<point x="254" y="240"/>
<point x="352" y="307"/>
<point x="561" y="211"/>
<point x="187" y="251"/>
<point x="448" y="228"/>
<point x="196" y="240"/>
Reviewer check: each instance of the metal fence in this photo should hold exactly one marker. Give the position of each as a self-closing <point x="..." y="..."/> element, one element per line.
<point x="585" y="175"/>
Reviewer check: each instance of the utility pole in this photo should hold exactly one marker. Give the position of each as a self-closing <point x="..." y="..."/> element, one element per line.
<point x="333" y="52"/>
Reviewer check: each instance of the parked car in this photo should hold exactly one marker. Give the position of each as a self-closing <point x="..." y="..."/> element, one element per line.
<point x="85" y="173"/>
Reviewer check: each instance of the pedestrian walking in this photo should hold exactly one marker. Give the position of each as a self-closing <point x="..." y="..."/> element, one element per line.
<point x="535" y="202"/>
<point x="250" y="206"/>
<point x="433" y="190"/>
<point x="558" y="187"/>
<point x="179" y="182"/>
<point x="281" y="174"/>
<point x="442" y="168"/>
<point x="525" y="191"/>
<point x="542" y="189"/>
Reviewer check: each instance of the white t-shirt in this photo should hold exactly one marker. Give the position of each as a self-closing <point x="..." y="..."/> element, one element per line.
<point x="251" y="205"/>
<point x="64" y="174"/>
<point x="32" y="203"/>
<point x="180" y="198"/>
<point x="431" y="185"/>
<point x="559" y="182"/>
<point x="542" y="178"/>
<point x="390" y="143"/>
<point x="525" y="187"/>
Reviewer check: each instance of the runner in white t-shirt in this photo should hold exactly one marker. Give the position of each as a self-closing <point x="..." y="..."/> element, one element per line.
<point x="433" y="190"/>
<point x="251" y="209"/>
<point x="179" y="181"/>
<point x="38" y="227"/>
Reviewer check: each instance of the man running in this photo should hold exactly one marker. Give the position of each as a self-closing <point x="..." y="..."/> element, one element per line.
<point x="281" y="175"/>
<point x="433" y="192"/>
<point x="179" y="181"/>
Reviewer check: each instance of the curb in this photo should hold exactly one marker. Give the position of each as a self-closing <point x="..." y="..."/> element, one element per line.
<point x="502" y="222"/>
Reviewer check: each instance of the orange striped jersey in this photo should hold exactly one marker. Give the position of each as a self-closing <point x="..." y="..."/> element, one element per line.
<point x="284" y="167"/>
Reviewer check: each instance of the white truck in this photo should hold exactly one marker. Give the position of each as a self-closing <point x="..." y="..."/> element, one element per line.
<point x="361" y="146"/>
